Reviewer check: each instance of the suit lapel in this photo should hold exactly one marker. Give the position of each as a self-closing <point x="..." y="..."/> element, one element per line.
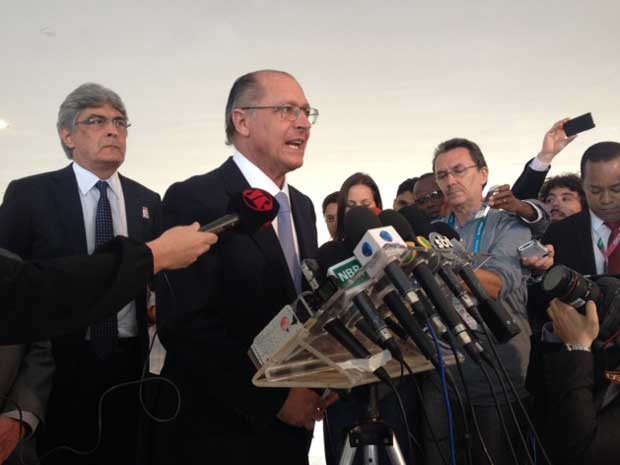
<point x="585" y="245"/>
<point x="303" y="226"/>
<point x="66" y="197"/>
<point x="266" y="238"/>
<point x="132" y="209"/>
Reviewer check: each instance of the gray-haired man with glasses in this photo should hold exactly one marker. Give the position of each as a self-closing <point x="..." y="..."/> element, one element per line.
<point x="70" y="212"/>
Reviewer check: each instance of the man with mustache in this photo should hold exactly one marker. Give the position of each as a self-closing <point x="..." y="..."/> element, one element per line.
<point x="70" y="212"/>
<point x="563" y="196"/>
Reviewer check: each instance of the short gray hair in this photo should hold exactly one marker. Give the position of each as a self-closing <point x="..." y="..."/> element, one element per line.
<point x="246" y="90"/>
<point x="89" y="95"/>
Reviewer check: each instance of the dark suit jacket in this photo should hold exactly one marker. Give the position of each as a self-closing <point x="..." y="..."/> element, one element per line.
<point x="580" y="428"/>
<point x="34" y="294"/>
<point x="41" y="217"/>
<point x="528" y="183"/>
<point x="207" y="322"/>
<point x="572" y="240"/>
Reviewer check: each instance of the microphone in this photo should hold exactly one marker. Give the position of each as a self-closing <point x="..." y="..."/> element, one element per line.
<point x="445" y="230"/>
<point x="491" y="311"/>
<point x="250" y="210"/>
<point x="374" y="327"/>
<point x="424" y="275"/>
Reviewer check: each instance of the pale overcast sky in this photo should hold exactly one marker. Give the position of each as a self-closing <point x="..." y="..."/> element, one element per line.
<point x="391" y="79"/>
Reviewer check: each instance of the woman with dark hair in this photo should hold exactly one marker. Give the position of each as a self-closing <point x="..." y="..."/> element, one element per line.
<point x="358" y="190"/>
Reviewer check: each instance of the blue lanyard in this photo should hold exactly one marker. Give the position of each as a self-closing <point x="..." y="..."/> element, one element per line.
<point x="479" y="230"/>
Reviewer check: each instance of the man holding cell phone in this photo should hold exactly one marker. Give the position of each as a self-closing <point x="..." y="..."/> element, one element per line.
<point x="555" y="140"/>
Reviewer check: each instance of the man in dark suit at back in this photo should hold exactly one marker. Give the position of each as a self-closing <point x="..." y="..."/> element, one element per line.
<point x="584" y="241"/>
<point x="587" y="242"/>
<point x="70" y="212"/>
<point x="207" y="321"/>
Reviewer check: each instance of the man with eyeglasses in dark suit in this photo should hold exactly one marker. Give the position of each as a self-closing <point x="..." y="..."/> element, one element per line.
<point x="214" y="309"/>
<point x="70" y="212"/>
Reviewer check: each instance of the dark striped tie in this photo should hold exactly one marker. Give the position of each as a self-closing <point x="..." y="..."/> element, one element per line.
<point x="104" y="333"/>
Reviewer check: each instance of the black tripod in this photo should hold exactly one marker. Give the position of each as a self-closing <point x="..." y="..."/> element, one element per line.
<point x="371" y="433"/>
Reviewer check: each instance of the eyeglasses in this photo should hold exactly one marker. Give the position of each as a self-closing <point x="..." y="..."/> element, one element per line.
<point x="99" y="122"/>
<point x="430" y="197"/>
<point x="290" y="112"/>
<point x="458" y="172"/>
<point x="330" y="218"/>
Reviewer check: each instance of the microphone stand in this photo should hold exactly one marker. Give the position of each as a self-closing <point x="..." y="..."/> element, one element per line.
<point x="371" y="433"/>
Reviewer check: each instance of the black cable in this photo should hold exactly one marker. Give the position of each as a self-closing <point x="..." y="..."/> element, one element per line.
<point x="500" y="414"/>
<point x="514" y="393"/>
<point x="510" y="408"/>
<point x="519" y="402"/>
<point x="425" y="415"/>
<point x="99" y="421"/>
<point x="473" y="413"/>
<point x="403" y="414"/>
<point x="140" y="382"/>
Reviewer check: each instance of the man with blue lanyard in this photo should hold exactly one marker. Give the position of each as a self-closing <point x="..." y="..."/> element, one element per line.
<point x="461" y="173"/>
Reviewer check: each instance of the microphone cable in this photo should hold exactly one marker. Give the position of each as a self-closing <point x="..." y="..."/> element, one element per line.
<point x="518" y="399"/>
<point x="442" y="376"/>
<point x="139" y="382"/>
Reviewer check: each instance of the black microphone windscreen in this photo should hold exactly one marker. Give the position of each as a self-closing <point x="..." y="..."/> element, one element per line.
<point x="418" y="220"/>
<point x="398" y="222"/>
<point x="445" y="230"/>
<point x="329" y="254"/>
<point x="356" y="222"/>
<point x="255" y="208"/>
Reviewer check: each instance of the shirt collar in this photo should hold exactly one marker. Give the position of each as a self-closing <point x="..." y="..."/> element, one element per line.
<point x="257" y="178"/>
<point x="596" y="221"/>
<point x="87" y="179"/>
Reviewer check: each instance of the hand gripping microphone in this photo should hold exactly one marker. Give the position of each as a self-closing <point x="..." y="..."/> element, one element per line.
<point x="495" y="316"/>
<point x="424" y="275"/>
<point x="249" y="210"/>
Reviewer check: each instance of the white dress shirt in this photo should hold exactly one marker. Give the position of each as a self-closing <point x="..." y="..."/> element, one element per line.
<point x="600" y="236"/>
<point x="256" y="178"/>
<point x="89" y="197"/>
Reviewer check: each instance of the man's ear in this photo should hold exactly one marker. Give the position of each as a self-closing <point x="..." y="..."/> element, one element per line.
<point x="485" y="175"/>
<point x="241" y="121"/>
<point x="67" y="138"/>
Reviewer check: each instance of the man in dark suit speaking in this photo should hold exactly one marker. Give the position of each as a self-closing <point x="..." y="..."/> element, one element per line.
<point x="70" y="212"/>
<point x="218" y="305"/>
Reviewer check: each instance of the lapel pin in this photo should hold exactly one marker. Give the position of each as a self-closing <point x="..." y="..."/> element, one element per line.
<point x="145" y="213"/>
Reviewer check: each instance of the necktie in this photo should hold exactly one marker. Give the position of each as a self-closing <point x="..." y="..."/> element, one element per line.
<point x="104" y="333"/>
<point x="613" y="248"/>
<point x="285" y="236"/>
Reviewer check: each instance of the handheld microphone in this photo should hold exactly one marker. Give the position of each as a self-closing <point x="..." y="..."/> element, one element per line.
<point x="250" y="210"/>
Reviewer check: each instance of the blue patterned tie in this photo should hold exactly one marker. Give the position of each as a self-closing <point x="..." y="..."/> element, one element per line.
<point x="104" y="333"/>
<point x="285" y="235"/>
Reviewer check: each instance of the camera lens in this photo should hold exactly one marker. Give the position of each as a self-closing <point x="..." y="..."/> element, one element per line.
<point x="569" y="286"/>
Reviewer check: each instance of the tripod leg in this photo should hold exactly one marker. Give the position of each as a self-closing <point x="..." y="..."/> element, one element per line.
<point x="371" y="454"/>
<point x="348" y="453"/>
<point x="394" y="453"/>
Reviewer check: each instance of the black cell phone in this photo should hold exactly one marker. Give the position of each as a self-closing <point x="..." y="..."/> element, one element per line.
<point x="578" y="124"/>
